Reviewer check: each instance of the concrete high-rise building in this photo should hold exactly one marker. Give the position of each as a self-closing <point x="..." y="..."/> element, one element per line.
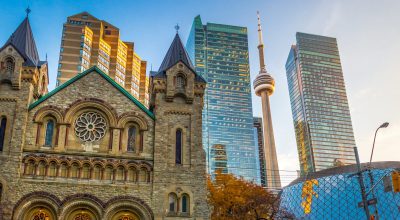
<point x="264" y="86"/>
<point x="320" y="109"/>
<point x="258" y="139"/>
<point x="87" y="41"/>
<point x="221" y="56"/>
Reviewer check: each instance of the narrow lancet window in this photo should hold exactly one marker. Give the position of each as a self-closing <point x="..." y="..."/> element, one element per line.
<point x="3" y="125"/>
<point x="178" y="147"/>
<point x="49" y="133"/>
<point x="131" y="139"/>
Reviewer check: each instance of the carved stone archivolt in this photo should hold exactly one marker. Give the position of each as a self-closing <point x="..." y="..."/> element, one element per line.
<point x="82" y="205"/>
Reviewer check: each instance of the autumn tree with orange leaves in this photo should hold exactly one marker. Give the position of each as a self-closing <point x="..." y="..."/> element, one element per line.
<point x="237" y="199"/>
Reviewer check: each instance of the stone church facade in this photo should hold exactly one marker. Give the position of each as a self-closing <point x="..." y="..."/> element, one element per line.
<point x="88" y="150"/>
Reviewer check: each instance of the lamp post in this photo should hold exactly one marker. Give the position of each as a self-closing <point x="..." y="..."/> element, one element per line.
<point x="384" y="125"/>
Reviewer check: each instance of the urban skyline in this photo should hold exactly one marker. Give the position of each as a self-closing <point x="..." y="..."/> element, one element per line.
<point x="354" y="53"/>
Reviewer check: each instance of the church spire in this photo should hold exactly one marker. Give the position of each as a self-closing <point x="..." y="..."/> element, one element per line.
<point x="22" y="40"/>
<point x="260" y="45"/>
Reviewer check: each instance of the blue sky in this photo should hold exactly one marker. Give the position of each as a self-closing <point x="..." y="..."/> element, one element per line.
<point x="367" y="32"/>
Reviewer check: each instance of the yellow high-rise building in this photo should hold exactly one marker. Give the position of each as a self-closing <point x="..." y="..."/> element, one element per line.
<point x="88" y="41"/>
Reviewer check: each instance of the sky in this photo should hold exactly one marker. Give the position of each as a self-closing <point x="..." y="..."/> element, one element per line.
<point x="367" y="32"/>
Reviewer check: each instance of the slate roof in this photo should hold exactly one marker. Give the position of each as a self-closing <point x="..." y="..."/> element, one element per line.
<point x="176" y="53"/>
<point x="22" y="40"/>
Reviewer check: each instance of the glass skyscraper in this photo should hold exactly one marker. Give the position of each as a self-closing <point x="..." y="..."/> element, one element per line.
<point x="220" y="54"/>
<point x="320" y="109"/>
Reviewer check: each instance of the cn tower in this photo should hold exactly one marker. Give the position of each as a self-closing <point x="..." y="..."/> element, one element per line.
<point x="264" y="86"/>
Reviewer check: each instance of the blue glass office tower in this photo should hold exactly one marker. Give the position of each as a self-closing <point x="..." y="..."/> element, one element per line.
<point x="220" y="54"/>
<point x="320" y="109"/>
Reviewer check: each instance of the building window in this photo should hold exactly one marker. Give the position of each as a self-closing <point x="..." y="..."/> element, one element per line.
<point x="172" y="198"/>
<point x="178" y="147"/>
<point x="185" y="203"/>
<point x="143" y="175"/>
<point x="49" y="133"/>
<point x="131" y="139"/>
<point x="180" y="82"/>
<point x="30" y="168"/>
<point x="9" y="65"/>
<point x="3" y="125"/>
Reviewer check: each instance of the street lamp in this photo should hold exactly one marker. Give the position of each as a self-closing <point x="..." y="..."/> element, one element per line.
<point x="384" y="125"/>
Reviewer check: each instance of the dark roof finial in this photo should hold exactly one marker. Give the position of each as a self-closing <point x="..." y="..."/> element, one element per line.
<point x="177" y="27"/>
<point x="27" y="10"/>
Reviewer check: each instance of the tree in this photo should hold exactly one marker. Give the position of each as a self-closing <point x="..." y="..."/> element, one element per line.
<point x="237" y="199"/>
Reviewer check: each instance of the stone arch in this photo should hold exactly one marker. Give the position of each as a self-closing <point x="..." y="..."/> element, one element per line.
<point x="81" y="203"/>
<point x="91" y="103"/>
<point x="133" y="117"/>
<point x="49" y="110"/>
<point x="32" y="202"/>
<point x="127" y="204"/>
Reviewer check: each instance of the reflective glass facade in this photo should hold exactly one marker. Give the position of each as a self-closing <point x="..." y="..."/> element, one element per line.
<point x="220" y="54"/>
<point x="321" y="115"/>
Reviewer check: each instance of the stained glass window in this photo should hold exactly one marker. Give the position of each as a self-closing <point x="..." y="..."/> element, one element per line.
<point x="49" y="133"/>
<point x="178" y="147"/>
<point x="131" y="139"/>
<point x="2" y="132"/>
<point x="41" y="215"/>
<point x="185" y="203"/>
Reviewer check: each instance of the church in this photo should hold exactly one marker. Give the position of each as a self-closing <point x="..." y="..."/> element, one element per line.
<point x="88" y="150"/>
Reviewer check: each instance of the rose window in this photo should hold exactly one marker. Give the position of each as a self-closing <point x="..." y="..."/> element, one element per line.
<point x="90" y="126"/>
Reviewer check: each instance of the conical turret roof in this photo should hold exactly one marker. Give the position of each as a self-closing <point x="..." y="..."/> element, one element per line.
<point x="22" y="39"/>
<point x="176" y="53"/>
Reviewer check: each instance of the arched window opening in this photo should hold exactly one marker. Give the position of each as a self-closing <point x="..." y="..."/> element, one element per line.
<point x="42" y="168"/>
<point x="10" y="66"/>
<point x="74" y="170"/>
<point x="49" y="133"/>
<point x="180" y="82"/>
<point x="64" y="170"/>
<point x="178" y="147"/>
<point x="86" y="171"/>
<point x="185" y="203"/>
<point x="120" y="174"/>
<point x="131" y="139"/>
<point x="52" y="169"/>
<point x="172" y="199"/>
<point x="97" y="172"/>
<point x="3" y="125"/>
<point x="132" y="174"/>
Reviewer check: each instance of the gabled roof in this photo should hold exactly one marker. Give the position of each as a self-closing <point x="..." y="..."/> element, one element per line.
<point x="22" y="40"/>
<point x="176" y="53"/>
<point x="94" y="69"/>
